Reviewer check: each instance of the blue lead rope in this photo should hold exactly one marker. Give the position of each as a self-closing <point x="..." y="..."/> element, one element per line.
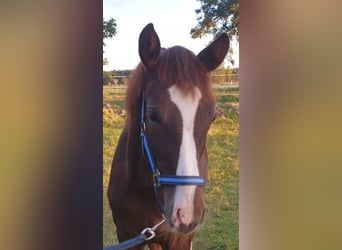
<point x="127" y="244"/>
<point x="147" y="234"/>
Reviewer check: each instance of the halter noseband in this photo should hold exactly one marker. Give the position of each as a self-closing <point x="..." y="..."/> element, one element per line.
<point x="158" y="179"/>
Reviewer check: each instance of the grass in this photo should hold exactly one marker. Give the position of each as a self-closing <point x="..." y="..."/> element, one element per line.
<point x="220" y="227"/>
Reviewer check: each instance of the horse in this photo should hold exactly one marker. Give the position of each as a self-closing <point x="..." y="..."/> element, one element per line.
<point x="160" y="166"/>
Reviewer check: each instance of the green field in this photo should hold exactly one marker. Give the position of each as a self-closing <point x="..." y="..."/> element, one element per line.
<point x="220" y="227"/>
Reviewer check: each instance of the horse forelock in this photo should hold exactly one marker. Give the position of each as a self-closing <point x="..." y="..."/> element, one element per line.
<point x="179" y="66"/>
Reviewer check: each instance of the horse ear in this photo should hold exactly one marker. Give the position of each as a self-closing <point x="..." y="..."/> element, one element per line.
<point x="212" y="56"/>
<point x="149" y="46"/>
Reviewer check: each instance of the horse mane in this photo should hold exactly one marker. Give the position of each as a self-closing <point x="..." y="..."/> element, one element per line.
<point x="177" y="65"/>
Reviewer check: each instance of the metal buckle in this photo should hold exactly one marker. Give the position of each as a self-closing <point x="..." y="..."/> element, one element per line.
<point x="143" y="126"/>
<point x="156" y="178"/>
<point x="150" y="231"/>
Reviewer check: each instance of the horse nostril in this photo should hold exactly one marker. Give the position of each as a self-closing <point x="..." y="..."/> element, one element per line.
<point x="177" y="217"/>
<point x="180" y="214"/>
<point x="181" y="217"/>
<point x="182" y="221"/>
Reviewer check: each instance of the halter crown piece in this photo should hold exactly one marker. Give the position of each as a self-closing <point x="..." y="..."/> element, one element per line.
<point x="158" y="179"/>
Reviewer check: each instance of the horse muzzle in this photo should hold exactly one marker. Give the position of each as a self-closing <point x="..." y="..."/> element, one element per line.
<point x="182" y="223"/>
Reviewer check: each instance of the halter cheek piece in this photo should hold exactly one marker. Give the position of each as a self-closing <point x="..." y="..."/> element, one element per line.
<point x="158" y="179"/>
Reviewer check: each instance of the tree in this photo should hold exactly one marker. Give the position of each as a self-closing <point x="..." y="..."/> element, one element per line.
<point x="217" y="16"/>
<point x="109" y="29"/>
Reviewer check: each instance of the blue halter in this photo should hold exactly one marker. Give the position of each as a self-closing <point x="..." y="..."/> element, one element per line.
<point x="158" y="179"/>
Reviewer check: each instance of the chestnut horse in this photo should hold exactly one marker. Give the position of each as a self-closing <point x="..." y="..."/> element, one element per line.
<point x="159" y="168"/>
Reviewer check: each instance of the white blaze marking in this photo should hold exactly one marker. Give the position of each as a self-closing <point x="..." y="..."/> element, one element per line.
<point x="187" y="161"/>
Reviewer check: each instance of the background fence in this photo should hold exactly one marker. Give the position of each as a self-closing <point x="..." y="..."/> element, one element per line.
<point x="219" y="81"/>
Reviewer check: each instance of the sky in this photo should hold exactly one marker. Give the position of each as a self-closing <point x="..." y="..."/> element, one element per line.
<point x="172" y="21"/>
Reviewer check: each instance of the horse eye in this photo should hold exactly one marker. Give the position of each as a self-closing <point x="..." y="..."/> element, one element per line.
<point x="154" y="117"/>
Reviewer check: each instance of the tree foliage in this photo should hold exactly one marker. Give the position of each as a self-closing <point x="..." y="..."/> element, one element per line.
<point x="217" y="16"/>
<point x="109" y="29"/>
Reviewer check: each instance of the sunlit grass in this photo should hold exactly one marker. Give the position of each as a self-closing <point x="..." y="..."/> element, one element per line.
<point x="220" y="227"/>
